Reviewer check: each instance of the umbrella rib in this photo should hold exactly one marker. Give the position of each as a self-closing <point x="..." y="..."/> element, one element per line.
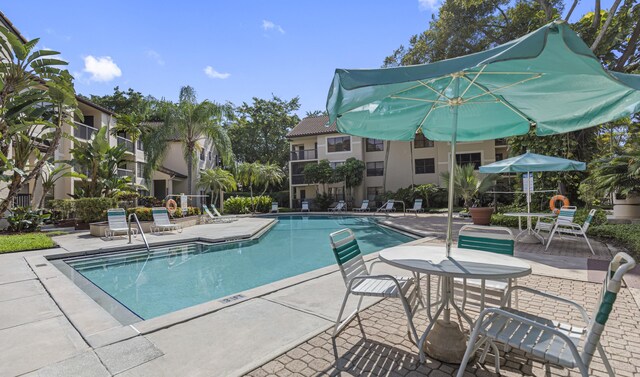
<point x="490" y="92"/>
<point x="507" y="104"/>
<point x="417" y="99"/>
<point x="472" y="81"/>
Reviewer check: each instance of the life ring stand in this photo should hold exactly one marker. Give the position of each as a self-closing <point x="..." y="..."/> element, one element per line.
<point x="554" y="200"/>
<point x="172" y="206"/>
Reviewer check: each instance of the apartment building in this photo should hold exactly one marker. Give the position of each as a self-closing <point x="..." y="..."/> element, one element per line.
<point x="416" y="162"/>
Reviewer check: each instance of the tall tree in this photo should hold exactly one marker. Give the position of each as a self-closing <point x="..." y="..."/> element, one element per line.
<point x="36" y="99"/>
<point x="259" y="130"/>
<point x="217" y="180"/>
<point x="249" y="174"/>
<point x="189" y="122"/>
<point x="129" y="102"/>
<point x="351" y="173"/>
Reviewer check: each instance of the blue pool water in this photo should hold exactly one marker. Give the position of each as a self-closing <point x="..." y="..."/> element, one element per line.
<point x="176" y="277"/>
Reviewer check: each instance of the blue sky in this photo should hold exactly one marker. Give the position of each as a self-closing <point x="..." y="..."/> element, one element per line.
<point x="229" y="51"/>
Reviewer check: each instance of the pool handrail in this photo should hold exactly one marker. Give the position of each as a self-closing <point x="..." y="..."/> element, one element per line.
<point x="144" y="238"/>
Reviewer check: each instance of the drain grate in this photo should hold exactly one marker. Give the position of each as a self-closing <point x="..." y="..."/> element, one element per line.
<point x="41" y="265"/>
<point x="229" y="299"/>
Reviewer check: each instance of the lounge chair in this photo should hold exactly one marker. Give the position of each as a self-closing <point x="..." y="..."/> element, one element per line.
<point x="274" y="207"/>
<point x="417" y="207"/>
<point x="209" y="217"/>
<point x="492" y="239"/>
<point x="222" y="218"/>
<point x="573" y="229"/>
<point x="364" y="207"/>
<point x="117" y="218"/>
<point x="566" y="345"/>
<point x="339" y="207"/>
<point x="566" y="215"/>
<point x="161" y="221"/>
<point x="359" y="282"/>
<point x="305" y="207"/>
<point x="387" y="207"/>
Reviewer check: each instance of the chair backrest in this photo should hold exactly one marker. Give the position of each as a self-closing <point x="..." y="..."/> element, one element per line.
<point x="305" y="205"/>
<point x="215" y="211"/>
<point x="339" y="205"/>
<point x="160" y="216"/>
<point x="117" y="218"/>
<point x="620" y="265"/>
<point x="493" y="239"/>
<point x="566" y="215"/>
<point x="206" y="210"/>
<point x="587" y="222"/>
<point x="274" y="206"/>
<point x="389" y="205"/>
<point x="417" y="204"/>
<point x="347" y="253"/>
<point x="365" y="204"/>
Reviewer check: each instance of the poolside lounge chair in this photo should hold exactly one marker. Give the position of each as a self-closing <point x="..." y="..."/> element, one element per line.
<point x="417" y="207"/>
<point x="573" y="229"/>
<point x="339" y="207"/>
<point x="492" y="239"/>
<point x="161" y="221"/>
<point x="566" y="215"/>
<point x="364" y="207"/>
<point x="360" y="283"/>
<point x="305" y="207"/>
<point x="274" y="207"/>
<point x="566" y="345"/>
<point x="387" y="207"/>
<point x="117" y="218"/>
<point x="217" y="215"/>
<point x="209" y="217"/>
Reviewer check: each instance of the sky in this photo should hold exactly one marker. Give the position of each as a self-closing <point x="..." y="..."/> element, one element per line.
<point x="227" y="50"/>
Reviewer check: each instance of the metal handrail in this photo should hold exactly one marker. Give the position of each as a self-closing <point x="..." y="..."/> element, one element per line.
<point x="404" y="209"/>
<point x="144" y="238"/>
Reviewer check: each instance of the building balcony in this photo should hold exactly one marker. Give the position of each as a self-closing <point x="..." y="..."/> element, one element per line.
<point x="83" y="131"/>
<point x="307" y="154"/>
<point x="125" y="173"/>
<point x="298" y="179"/>
<point x="500" y="142"/>
<point x="128" y="144"/>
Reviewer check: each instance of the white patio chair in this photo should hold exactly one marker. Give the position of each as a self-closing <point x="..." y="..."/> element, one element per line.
<point x="566" y="214"/>
<point x="339" y="207"/>
<point x="217" y="215"/>
<point x="161" y="221"/>
<point x="566" y="345"/>
<point x="387" y="207"/>
<point x="573" y="229"/>
<point x="117" y="219"/>
<point x="360" y="282"/>
<point x="364" y="207"/>
<point x="417" y="207"/>
<point x="211" y="218"/>
<point x="274" y="207"/>
<point x="305" y="207"/>
<point x="492" y="239"/>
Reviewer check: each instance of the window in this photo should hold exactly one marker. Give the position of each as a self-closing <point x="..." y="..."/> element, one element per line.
<point x="335" y="164"/>
<point x="140" y="170"/>
<point x="420" y="141"/>
<point x="499" y="157"/>
<point x="140" y="145"/>
<point x="339" y="144"/>
<point x="425" y="166"/>
<point x="202" y="155"/>
<point x="375" y="145"/>
<point x="209" y="156"/>
<point x="375" y="169"/>
<point x="474" y="159"/>
<point x="373" y="193"/>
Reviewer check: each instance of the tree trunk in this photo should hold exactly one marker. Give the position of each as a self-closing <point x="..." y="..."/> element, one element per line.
<point x="189" y="173"/>
<point x="612" y="13"/>
<point x="573" y="6"/>
<point x="253" y="204"/>
<point x="631" y="47"/>
<point x="547" y="9"/>
<point x="596" y="16"/>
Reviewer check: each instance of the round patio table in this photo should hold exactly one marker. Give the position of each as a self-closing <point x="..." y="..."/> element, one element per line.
<point x="462" y="263"/>
<point x="528" y="235"/>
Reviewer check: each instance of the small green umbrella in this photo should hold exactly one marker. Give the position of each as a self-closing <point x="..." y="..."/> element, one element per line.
<point x="548" y="79"/>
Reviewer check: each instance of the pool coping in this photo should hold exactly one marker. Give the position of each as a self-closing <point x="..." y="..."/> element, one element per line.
<point x="99" y="328"/>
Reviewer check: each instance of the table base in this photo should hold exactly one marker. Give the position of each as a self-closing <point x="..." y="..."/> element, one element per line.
<point x="532" y="237"/>
<point x="446" y="342"/>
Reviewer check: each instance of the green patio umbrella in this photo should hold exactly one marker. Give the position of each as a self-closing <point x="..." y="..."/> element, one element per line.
<point x="548" y="79"/>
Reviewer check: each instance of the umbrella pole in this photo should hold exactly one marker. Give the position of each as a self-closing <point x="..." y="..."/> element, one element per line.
<point x="454" y="102"/>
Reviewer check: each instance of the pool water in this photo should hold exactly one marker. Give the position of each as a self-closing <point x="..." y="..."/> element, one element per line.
<point x="176" y="277"/>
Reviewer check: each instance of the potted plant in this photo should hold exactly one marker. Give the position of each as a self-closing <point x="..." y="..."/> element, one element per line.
<point x="470" y="186"/>
<point x="618" y="176"/>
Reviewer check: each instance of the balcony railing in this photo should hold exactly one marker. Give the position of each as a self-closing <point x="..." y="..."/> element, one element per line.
<point x="22" y="200"/>
<point x="125" y="173"/>
<point x="297" y="179"/>
<point x="83" y="131"/>
<point x="501" y="142"/>
<point x="307" y="154"/>
<point x="128" y="144"/>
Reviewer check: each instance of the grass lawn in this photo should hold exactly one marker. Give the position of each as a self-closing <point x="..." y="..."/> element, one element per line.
<point x="25" y="241"/>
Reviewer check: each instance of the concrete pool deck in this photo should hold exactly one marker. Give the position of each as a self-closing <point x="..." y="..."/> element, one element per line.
<point x="42" y="338"/>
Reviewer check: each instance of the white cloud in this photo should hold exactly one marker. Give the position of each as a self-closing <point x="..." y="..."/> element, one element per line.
<point x="102" y="68"/>
<point x="428" y="4"/>
<point x="154" y="55"/>
<point x="269" y="25"/>
<point x="213" y="74"/>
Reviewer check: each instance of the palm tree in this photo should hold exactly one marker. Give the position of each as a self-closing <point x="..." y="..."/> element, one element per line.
<point x="189" y="122"/>
<point x="467" y="185"/>
<point x="271" y="175"/>
<point x="250" y="174"/>
<point x="50" y="174"/>
<point x="132" y="125"/>
<point x="217" y="180"/>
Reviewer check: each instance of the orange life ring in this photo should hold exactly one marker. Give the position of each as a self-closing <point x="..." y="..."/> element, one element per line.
<point x="172" y="206"/>
<point x="555" y="199"/>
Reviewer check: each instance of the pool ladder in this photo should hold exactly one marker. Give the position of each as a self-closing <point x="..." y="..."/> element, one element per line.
<point x="144" y="238"/>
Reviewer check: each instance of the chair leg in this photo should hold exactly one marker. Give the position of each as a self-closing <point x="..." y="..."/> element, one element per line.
<point x="408" y="312"/>
<point x="470" y="349"/>
<point x="588" y="243"/>
<point x="605" y="361"/>
<point x="340" y="325"/>
<point x="553" y="232"/>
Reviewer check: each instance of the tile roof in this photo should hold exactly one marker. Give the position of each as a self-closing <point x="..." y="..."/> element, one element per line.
<point x="312" y="126"/>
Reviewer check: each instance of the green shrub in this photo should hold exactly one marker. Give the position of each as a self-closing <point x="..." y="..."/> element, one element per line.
<point x="322" y="202"/>
<point x="150" y="201"/>
<point x="24" y="219"/>
<point x="599" y="218"/>
<point x="90" y="210"/>
<point x="23" y="242"/>
<point x="238" y="205"/>
<point x="626" y="235"/>
<point x="126" y="196"/>
<point x="62" y="209"/>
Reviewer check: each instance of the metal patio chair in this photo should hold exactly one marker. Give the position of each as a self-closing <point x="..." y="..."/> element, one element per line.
<point x="117" y="219"/>
<point x="387" y="207"/>
<point x="569" y="227"/>
<point x="161" y="221"/>
<point x="305" y="207"/>
<point x="360" y="282"/>
<point x="364" y="207"/>
<point x="566" y="214"/>
<point x="566" y="345"/>
<point x="339" y="207"/>
<point x="417" y="207"/>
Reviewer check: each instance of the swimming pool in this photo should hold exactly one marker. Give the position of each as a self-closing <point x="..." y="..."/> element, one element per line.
<point x="175" y="277"/>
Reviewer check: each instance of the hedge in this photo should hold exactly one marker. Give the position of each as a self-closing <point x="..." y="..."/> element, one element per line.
<point x="626" y="235"/>
<point x="91" y="210"/>
<point x="238" y="204"/>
